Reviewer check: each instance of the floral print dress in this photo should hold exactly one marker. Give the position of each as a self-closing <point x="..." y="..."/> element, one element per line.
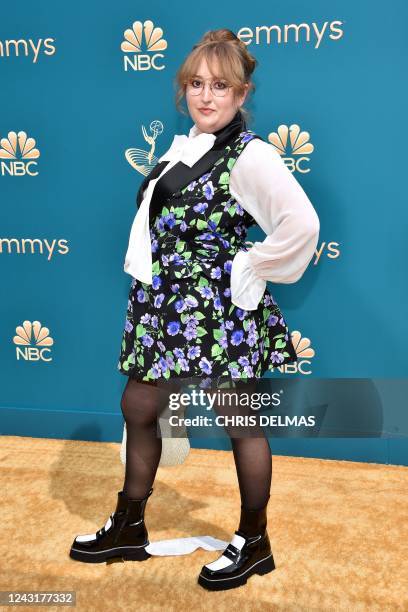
<point x="184" y="324"/>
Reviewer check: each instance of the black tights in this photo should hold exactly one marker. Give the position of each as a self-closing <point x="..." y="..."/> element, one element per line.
<point x="142" y="404"/>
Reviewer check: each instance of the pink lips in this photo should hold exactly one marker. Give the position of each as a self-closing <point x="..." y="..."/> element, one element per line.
<point x="206" y="111"/>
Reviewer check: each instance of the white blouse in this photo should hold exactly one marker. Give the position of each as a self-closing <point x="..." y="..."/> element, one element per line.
<point x="264" y="186"/>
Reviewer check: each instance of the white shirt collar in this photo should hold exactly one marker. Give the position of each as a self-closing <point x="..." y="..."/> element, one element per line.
<point x="189" y="149"/>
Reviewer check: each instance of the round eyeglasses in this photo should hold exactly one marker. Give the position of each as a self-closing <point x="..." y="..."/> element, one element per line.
<point x="218" y="87"/>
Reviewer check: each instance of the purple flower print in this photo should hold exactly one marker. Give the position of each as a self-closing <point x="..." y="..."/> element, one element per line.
<point x="245" y="138"/>
<point x="205" y="177"/>
<point x="155" y="321"/>
<point x="223" y="342"/>
<point x="269" y="300"/>
<point x="156" y="282"/>
<point x="200" y="207"/>
<point x="190" y="332"/>
<point x="163" y="364"/>
<point x="205" y="365"/>
<point x="161" y="346"/>
<point x="170" y="220"/>
<point x="179" y="305"/>
<point x="249" y="371"/>
<point x="193" y="352"/>
<point x="206" y="292"/>
<point x="175" y="287"/>
<point x="237" y="337"/>
<point x="227" y="292"/>
<point x="243" y="361"/>
<point x="255" y="357"/>
<point x="158" y="300"/>
<point x="183" y="226"/>
<point x="272" y="320"/>
<point x="216" y="272"/>
<point x="192" y="185"/>
<point x="145" y="318"/>
<point x="170" y="362"/>
<point x="179" y="353"/>
<point x="191" y="319"/>
<point x="229" y="324"/>
<point x="240" y="210"/>
<point x="191" y="301"/>
<point x="241" y="314"/>
<point x="173" y="328"/>
<point x="233" y="371"/>
<point x="155" y="370"/>
<point x="183" y="363"/>
<point x="147" y="340"/>
<point x="128" y="326"/>
<point x="228" y="266"/>
<point x="208" y="190"/>
<point x="141" y="296"/>
<point x="252" y="338"/>
<point x="217" y="304"/>
<point x="277" y="357"/>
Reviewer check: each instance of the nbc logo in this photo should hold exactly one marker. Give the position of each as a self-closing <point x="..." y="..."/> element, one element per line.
<point x="299" y="144"/>
<point x="19" y="153"/>
<point x="304" y="353"/>
<point x="136" y="57"/>
<point x="34" y="341"/>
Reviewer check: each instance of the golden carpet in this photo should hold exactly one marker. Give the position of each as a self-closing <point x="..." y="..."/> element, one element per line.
<point x="338" y="530"/>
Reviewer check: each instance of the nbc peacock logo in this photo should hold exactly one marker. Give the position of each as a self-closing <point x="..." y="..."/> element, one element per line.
<point x="142" y="45"/>
<point x="294" y="146"/>
<point x="18" y="154"/>
<point x="304" y="354"/>
<point x="32" y="342"/>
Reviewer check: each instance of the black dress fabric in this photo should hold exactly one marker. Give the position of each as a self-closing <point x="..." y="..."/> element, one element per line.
<point x="184" y="325"/>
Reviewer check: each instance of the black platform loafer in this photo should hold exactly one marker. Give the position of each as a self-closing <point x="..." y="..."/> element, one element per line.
<point x="249" y="552"/>
<point x="123" y="535"/>
<point x="243" y="557"/>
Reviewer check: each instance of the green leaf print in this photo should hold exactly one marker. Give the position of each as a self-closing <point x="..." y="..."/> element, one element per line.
<point x="280" y="344"/>
<point x="140" y="330"/>
<point x="216" y="349"/>
<point x="201" y="224"/>
<point x="224" y="178"/>
<point x="201" y="331"/>
<point x="179" y="212"/>
<point x="232" y="209"/>
<point x="156" y="268"/>
<point x="215" y="217"/>
<point x="231" y="163"/>
<point x="218" y="334"/>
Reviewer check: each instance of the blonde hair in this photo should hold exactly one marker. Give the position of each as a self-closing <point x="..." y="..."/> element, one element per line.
<point x="235" y="63"/>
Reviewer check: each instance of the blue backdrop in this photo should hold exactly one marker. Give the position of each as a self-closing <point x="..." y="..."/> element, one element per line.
<point x="68" y="196"/>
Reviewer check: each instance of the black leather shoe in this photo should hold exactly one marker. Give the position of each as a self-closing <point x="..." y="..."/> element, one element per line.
<point x="123" y="535"/>
<point x="249" y="552"/>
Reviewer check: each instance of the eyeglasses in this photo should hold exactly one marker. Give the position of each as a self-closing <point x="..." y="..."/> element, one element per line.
<point x="218" y="88"/>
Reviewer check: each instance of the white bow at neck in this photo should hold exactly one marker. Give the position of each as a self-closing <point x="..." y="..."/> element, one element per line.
<point x="189" y="149"/>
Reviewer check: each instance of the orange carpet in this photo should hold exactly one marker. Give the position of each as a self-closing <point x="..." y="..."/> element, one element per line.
<point x="338" y="530"/>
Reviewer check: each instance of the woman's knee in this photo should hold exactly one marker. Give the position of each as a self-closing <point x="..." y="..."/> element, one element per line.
<point x="140" y="403"/>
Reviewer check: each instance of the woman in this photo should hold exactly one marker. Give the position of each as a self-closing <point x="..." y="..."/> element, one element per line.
<point x="198" y="305"/>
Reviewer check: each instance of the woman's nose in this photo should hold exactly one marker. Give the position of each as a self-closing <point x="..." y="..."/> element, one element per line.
<point x="206" y="93"/>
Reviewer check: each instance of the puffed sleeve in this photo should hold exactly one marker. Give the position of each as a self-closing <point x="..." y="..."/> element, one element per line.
<point x="264" y="186"/>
